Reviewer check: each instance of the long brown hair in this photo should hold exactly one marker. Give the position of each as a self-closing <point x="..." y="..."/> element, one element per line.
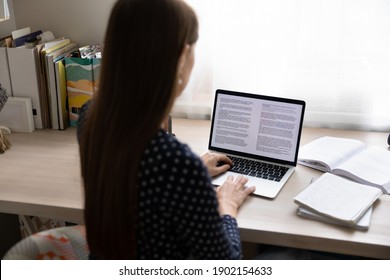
<point x="143" y="44"/>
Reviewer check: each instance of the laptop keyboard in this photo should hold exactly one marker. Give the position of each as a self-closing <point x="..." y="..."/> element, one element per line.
<point x="258" y="169"/>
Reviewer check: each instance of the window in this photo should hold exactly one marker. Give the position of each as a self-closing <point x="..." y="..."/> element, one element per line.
<point x="333" y="54"/>
<point x="4" y="10"/>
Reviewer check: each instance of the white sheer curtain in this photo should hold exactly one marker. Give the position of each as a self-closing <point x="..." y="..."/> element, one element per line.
<point x="334" y="54"/>
<point x="6" y="10"/>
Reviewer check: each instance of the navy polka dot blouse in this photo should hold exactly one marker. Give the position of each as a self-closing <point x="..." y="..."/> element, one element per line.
<point x="178" y="208"/>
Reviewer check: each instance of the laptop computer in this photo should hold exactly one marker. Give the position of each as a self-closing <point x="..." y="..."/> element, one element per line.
<point x="261" y="134"/>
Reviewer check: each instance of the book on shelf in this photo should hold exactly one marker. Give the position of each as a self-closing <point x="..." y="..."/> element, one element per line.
<point x="24" y="39"/>
<point x="62" y="95"/>
<point x="81" y="84"/>
<point x="349" y="158"/>
<point x="20" y="32"/>
<point x="53" y="100"/>
<point x="55" y="45"/>
<point x="48" y="53"/>
<point x="338" y="199"/>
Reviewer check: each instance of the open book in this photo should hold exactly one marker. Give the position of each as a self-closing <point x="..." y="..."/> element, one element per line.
<point x="349" y="158"/>
<point x="337" y="199"/>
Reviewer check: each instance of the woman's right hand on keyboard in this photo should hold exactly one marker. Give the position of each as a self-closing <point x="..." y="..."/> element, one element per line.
<point x="232" y="194"/>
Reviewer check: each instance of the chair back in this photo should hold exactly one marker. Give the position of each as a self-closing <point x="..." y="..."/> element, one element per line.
<point x="63" y="243"/>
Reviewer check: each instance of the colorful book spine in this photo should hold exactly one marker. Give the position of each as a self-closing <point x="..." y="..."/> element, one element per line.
<point x="80" y="83"/>
<point x="62" y="95"/>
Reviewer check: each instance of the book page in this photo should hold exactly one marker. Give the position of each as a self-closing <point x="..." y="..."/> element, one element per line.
<point x="371" y="166"/>
<point x="326" y="153"/>
<point x="338" y="198"/>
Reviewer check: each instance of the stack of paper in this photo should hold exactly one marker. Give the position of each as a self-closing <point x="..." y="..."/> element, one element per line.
<point x="362" y="224"/>
<point x="337" y="200"/>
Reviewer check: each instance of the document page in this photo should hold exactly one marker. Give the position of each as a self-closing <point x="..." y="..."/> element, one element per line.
<point x="339" y="198"/>
<point x="326" y="153"/>
<point x="371" y="167"/>
<point x="253" y="126"/>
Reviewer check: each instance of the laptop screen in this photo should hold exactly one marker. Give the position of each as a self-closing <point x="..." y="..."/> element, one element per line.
<point x="257" y="126"/>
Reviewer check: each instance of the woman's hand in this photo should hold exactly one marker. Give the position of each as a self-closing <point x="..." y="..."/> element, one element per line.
<point x="232" y="194"/>
<point x="211" y="160"/>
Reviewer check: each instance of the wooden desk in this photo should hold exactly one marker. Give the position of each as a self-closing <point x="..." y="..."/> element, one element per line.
<point x="40" y="176"/>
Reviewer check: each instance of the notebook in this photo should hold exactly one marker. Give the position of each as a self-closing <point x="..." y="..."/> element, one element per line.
<point x="257" y="132"/>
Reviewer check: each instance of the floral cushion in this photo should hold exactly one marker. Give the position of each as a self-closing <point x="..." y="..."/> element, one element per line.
<point x="64" y="243"/>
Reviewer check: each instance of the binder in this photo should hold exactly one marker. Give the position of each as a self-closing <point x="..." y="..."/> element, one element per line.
<point x="25" y="73"/>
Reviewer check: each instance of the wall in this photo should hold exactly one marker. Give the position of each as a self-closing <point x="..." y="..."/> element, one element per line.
<point x="1" y="10"/>
<point x="7" y="26"/>
<point x="82" y="21"/>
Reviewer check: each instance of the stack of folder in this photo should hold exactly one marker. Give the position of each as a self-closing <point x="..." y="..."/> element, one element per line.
<point x="37" y="72"/>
